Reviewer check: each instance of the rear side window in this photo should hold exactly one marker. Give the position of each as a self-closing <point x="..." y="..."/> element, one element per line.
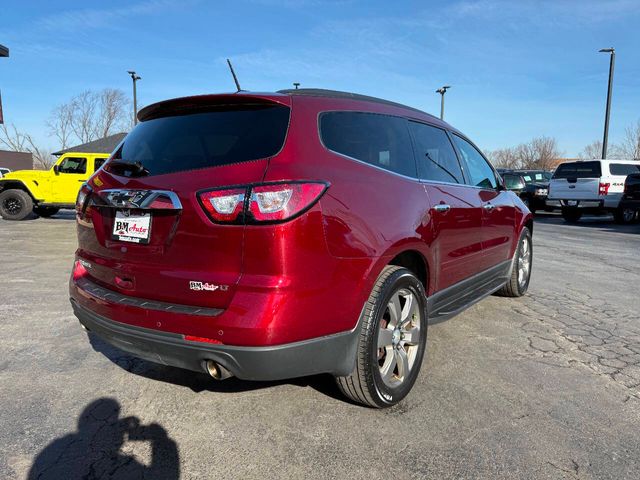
<point x="578" y="170"/>
<point x="436" y="158"/>
<point x="624" y="168"/>
<point x="98" y="163"/>
<point x="200" y="140"/>
<point x="513" y="182"/>
<point x="379" y="140"/>
<point x="479" y="172"/>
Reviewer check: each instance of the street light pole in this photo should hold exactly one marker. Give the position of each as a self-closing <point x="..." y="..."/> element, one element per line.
<point x="612" y="62"/>
<point x="442" y="91"/>
<point x="4" y="52"/>
<point x="135" y="78"/>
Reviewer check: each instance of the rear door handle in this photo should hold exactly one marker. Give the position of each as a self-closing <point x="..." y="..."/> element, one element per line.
<point x="442" y="208"/>
<point x="489" y="206"/>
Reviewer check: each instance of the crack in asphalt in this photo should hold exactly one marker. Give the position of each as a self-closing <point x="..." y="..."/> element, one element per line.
<point x="571" y="330"/>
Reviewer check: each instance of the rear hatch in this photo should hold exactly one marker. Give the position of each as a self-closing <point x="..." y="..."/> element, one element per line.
<point x="143" y="232"/>
<point x="576" y="181"/>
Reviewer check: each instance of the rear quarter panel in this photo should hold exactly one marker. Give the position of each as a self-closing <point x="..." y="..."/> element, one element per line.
<point x="368" y="213"/>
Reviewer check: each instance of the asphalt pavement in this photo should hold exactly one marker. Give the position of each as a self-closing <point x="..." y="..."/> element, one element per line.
<point x="545" y="386"/>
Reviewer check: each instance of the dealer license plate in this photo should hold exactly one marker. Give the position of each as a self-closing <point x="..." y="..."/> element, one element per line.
<point x="134" y="228"/>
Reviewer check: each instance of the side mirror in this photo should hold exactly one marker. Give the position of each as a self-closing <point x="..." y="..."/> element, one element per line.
<point x="56" y="170"/>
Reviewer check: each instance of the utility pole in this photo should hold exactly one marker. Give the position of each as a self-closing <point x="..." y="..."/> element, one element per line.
<point x="296" y="85"/>
<point x="4" y="52"/>
<point x="612" y="62"/>
<point x="442" y="91"/>
<point x="135" y="78"/>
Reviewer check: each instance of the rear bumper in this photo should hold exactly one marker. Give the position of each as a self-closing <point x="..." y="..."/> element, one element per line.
<point x="334" y="354"/>
<point x="593" y="207"/>
<point x="586" y="203"/>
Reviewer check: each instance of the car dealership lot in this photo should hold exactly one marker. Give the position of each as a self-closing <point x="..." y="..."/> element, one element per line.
<point x="546" y="386"/>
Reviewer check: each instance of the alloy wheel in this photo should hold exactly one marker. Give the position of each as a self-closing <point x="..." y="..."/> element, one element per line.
<point x="524" y="261"/>
<point x="399" y="337"/>
<point x="12" y="205"/>
<point x="628" y="214"/>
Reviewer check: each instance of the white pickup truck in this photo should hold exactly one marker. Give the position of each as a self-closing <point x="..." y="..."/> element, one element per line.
<point x="590" y="186"/>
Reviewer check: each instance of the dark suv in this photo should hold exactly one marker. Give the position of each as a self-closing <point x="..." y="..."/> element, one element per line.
<point x="532" y="186"/>
<point x="630" y="203"/>
<point x="271" y="236"/>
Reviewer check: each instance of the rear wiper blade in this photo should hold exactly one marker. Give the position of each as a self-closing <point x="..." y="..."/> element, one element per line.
<point x="136" y="168"/>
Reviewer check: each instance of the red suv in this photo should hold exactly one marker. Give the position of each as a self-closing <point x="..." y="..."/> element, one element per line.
<point x="271" y="236"/>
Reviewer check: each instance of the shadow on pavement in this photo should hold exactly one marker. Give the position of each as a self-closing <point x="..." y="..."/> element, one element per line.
<point x="603" y="223"/>
<point x="201" y="382"/>
<point x="95" y="450"/>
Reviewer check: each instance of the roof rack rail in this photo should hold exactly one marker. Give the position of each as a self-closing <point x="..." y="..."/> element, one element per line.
<point x="321" y="92"/>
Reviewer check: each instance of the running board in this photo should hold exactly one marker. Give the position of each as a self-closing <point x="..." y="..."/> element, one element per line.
<point x="456" y="298"/>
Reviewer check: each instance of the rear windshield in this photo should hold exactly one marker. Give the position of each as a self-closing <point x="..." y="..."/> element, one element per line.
<point x="201" y="140"/>
<point x="578" y="170"/>
<point x="624" y="168"/>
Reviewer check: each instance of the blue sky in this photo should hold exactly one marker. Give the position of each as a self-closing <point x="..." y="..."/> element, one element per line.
<point x="518" y="69"/>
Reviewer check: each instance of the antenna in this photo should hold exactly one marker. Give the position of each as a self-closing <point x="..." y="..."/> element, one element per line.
<point x="235" y="79"/>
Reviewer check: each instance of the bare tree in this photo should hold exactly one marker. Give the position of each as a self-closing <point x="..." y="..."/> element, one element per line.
<point x="629" y="147"/>
<point x="59" y="124"/>
<point x="83" y="108"/>
<point x="113" y="114"/>
<point x="90" y="116"/>
<point x="545" y="151"/>
<point x="43" y="159"/>
<point x="13" y="139"/>
<point x="504" y="158"/>
<point x="591" y="151"/>
<point x="526" y="155"/>
<point x="539" y="153"/>
<point x="18" y="141"/>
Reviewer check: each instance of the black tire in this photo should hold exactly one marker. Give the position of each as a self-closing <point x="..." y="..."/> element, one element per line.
<point x="571" y="215"/>
<point x="624" y="216"/>
<point x="15" y="204"/>
<point x="45" y="212"/>
<point x="365" y="385"/>
<point x="516" y="287"/>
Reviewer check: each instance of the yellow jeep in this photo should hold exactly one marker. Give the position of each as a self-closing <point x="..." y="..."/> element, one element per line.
<point x="44" y="192"/>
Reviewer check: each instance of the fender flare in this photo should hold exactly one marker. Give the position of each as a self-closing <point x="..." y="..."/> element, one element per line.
<point x="13" y="184"/>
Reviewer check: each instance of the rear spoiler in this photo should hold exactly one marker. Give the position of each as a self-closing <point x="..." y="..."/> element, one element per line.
<point x="203" y="103"/>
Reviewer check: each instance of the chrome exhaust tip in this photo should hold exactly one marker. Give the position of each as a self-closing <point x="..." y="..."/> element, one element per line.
<point x="217" y="371"/>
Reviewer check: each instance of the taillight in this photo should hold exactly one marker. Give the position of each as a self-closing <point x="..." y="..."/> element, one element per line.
<point x="83" y="200"/>
<point x="263" y="203"/>
<point x="603" y="188"/>
<point x="282" y="201"/>
<point x="83" y="195"/>
<point x="224" y="206"/>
